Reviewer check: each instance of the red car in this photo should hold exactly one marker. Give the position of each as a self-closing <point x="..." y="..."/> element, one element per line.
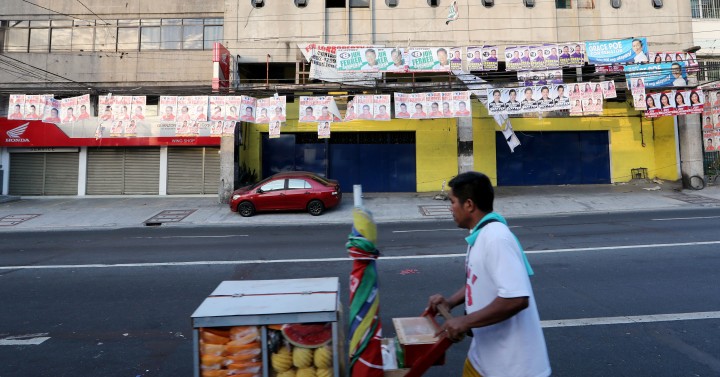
<point x="287" y="191"/>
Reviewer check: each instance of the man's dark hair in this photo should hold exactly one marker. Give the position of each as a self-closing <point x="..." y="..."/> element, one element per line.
<point x="475" y="186"/>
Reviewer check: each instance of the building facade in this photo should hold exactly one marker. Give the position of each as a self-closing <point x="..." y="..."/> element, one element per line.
<point x="140" y="47"/>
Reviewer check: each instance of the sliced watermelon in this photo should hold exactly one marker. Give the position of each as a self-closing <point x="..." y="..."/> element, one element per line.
<point x="308" y="335"/>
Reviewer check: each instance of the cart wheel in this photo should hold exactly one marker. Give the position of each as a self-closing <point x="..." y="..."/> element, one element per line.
<point x="696" y="182"/>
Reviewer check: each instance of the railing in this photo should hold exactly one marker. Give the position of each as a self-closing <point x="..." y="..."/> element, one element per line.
<point x="705" y="8"/>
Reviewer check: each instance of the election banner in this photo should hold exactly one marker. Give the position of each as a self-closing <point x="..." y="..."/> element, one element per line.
<point x="16" y="107"/>
<point x="247" y="109"/>
<point x="526" y="58"/>
<point x="577" y="107"/>
<point x="381" y="107"/>
<point x="34" y="105"/>
<point x="474" y="58"/>
<point x="349" y="111"/>
<point x="68" y="110"/>
<point x="131" y="128"/>
<point x="105" y="112"/>
<point x="52" y="110"/>
<point x="456" y="60"/>
<point x="537" y="57"/>
<point x="401" y="105"/>
<point x="434" y="101"/>
<point x="204" y="128"/>
<point x="83" y="106"/>
<point x="614" y="68"/>
<point x="198" y="108"/>
<point x="530" y="78"/>
<point x="167" y="106"/>
<point x="271" y="109"/>
<point x="561" y="98"/>
<point x="121" y="107"/>
<point x="231" y="106"/>
<point x="217" y="107"/>
<point x="629" y="50"/>
<point x="528" y="103"/>
<point x="229" y="127"/>
<point x="552" y="58"/>
<point x="274" y="129"/>
<point x="571" y="54"/>
<point x="139" y="105"/>
<point x="322" y="60"/>
<point x="363" y="106"/>
<point x="117" y="129"/>
<point x="510" y="97"/>
<point x="710" y="141"/>
<point x="608" y="89"/>
<point x="369" y="59"/>
<point x="418" y="105"/>
<point x="424" y="59"/>
<point x="447" y="104"/>
<point x="318" y="109"/>
<point x="183" y="114"/>
<point x="216" y="128"/>
<point x="513" y="58"/>
<point x="658" y="75"/>
<point x="535" y="98"/>
<point x="461" y="104"/>
<point x="490" y="58"/>
<point x="324" y="129"/>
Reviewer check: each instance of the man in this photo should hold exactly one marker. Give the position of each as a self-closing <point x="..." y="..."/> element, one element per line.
<point x="54" y="116"/>
<point x="565" y="52"/>
<point x="709" y="145"/>
<point x="403" y="113"/>
<point x="138" y="115"/>
<point x="183" y="116"/>
<point x="528" y="101"/>
<point x="708" y="125"/>
<point x="447" y="113"/>
<point x="230" y="114"/>
<point x="456" y="57"/>
<point x="69" y="116"/>
<point x="512" y="104"/>
<point x="516" y="57"/>
<point x="496" y="105"/>
<point x="17" y="113"/>
<point x="169" y="116"/>
<point x="462" y="110"/>
<point x="325" y="114"/>
<point x="501" y="310"/>
<point x="561" y="99"/>
<point x="263" y="118"/>
<point x="32" y="113"/>
<point x="124" y="115"/>
<point x="107" y="114"/>
<point x="545" y="101"/>
<point x="248" y="116"/>
<point x="131" y="128"/>
<point x="200" y="114"/>
<point x="539" y="56"/>
<point x="371" y="59"/>
<point x="365" y="114"/>
<point x="526" y="56"/>
<point x="477" y="57"/>
<point x="308" y="117"/>
<point x="577" y="53"/>
<point x="553" y="55"/>
<point x="382" y="113"/>
<point x="435" y="110"/>
<point x="419" y="113"/>
<point x="278" y="116"/>
<point x="637" y="47"/>
<point x="493" y="56"/>
<point x="443" y="62"/>
<point x="676" y="70"/>
<point x="397" y="58"/>
<point x="83" y="113"/>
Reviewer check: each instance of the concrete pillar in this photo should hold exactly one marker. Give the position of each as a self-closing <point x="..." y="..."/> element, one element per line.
<point x="466" y="161"/>
<point x="691" y="149"/>
<point x="227" y="168"/>
<point x="5" y="168"/>
<point x="162" y="187"/>
<point x="82" y="171"/>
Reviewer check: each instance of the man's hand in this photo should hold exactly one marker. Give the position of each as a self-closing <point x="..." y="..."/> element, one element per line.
<point x="434" y="302"/>
<point x="454" y="329"/>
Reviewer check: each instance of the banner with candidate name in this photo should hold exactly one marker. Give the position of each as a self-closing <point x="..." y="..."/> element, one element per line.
<point x="318" y="109"/>
<point x="381" y="107"/>
<point x="323" y="61"/>
<point x="370" y="59"/>
<point x="34" y="107"/>
<point x="628" y="50"/>
<point x="674" y="102"/>
<point x="490" y="56"/>
<point x="658" y="75"/>
<point x="271" y="109"/>
<point x="16" y="107"/>
<point x="474" y="58"/>
<point x="572" y="54"/>
<point x="424" y="59"/>
<point x="139" y="105"/>
<point x="540" y="98"/>
<point x="456" y="60"/>
<point x="432" y="105"/>
<point x="550" y="76"/>
<point x="711" y="140"/>
<point x="52" y="110"/>
<point x="551" y="55"/>
<point x="363" y="106"/>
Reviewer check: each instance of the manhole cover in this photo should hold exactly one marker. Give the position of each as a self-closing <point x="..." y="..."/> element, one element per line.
<point x="695" y="199"/>
<point x="169" y="216"/>
<point x="435" y="210"/>
<point x="11" y="220"/>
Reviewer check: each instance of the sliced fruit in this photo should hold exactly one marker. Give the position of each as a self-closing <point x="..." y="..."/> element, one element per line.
<point x="308" y="335"/>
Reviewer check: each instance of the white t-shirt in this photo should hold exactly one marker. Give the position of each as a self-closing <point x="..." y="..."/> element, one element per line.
<point x="514" y="347"/>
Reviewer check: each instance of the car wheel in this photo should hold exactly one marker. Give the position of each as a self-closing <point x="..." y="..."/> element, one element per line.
<point x="246" y="209"/>
<point x="315" y="207"/>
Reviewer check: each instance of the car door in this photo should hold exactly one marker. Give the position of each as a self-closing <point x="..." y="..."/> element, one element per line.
<point x="298" y="193"/>
<point x="271" y="196"/>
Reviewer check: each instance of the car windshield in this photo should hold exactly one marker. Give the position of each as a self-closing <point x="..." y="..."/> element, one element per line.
<point x="321" y="180"/>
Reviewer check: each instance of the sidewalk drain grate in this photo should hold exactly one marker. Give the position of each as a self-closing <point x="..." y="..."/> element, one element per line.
<point x="695" y="199"/>
<point x="12" y="220"/>
<point x="435" y="210"/>
<point x="169" y="216"/>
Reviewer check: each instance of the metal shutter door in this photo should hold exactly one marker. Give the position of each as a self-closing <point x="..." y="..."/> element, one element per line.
<point x="211" y="180"/>
<point x="185" y="167"/>
<point x="142" y="171"/>
<point x="27" y="173"/>
<point x="61" y="173"/>
<point x="105" y="171"/>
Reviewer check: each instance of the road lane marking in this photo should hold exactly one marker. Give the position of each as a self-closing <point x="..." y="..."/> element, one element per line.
<point x="345" y="259"/>
<point x="228" y="236"/>
<point x="24" y="340"/>
<point x="688" y="218"/>
<point x="601" y="321"/>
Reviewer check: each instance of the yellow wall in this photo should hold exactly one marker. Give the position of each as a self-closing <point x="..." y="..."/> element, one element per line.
<point x="634" y="141"/>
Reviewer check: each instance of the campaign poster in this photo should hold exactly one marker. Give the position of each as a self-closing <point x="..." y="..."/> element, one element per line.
<point x="247" y="109"/>
<point x="52" y="110"/>
<point x="709" y="142"/>
<point x="131" y="128"/>
<point x="34" y="105"/>
<point x="575" y="91"/>
<point x="363" y="105"/>
<point x="495" y="103"/>
<point x="707" y="119"/>
<point x="658" y="75"/>
<point x="398" y="60"/>
<point x="597" y="106"/>
<point x="628" y="50"/>
<point x="381" y="107"/>
<point x="192" y="128"/>
<point x="118" y="128"/>
<point x="434" y="104"/>
<point x="608" y="89"/>
<point x="461" y="104"/>
<point x="652" y="105"/>
<point x="528" y="101"/>
<point x="360" y="59"/>
<point x="105" y="109"/>
<point x="139" y="105"/>
<point x="597" y="91"/>
<point x="456" y="54"/>
<point x="228" y="127"/>
<point x="474" y="58"/>
<point x="552" y="58"/>
<point x="560" y="98"/>
<point x="16" y="107"/>
<point x="324" y="129"/>
<point x="682" y="102"/>
<point x="417" y="105"/>
<point x="537" y="57"/>
<point x="274" y="129"/>
<point x="692" y="63"/>
<point x="323" y="65"/>
<point x="121" y="107"/>
<point x="577" y="107"/>
<point x="216" y="128"/>
<point x="433" y="59"/>
<point x="316" y="109"/>
<point x="526" y="58"/>
<point x="666" y="101"/>
<point x="198" y="108"/>
<point x="204" y="128"/>
<point x="217" y="107"/>
<point x="544" y="100"/>
<point x="512" y="105"/>
<point x="349" y="111"/>
<point x="447" y="101"/>
<point x="68" y="110"/>
<point x="554" y="76"/>
<point x="697" y="101"/>
<point x="490" y="58"/>
<point x="513" y="58"/>
<point x="182" y="127"/>
<point x="167" y="106"/>
<point x="83" y="106"/>
<point x="231" y="108"/>
<point x="271" y="109"/>
<point x="607" y="69"/>
<point x="184" y="103"/>
<point x="401" y="105"/>
<point x="572" y="54"/>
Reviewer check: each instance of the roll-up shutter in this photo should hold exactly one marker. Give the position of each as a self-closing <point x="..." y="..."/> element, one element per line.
<point x="193" y="171"/>
<point x="123" y="171"/>
<point x="27" y="172"/>
<point x="44" y="173"/>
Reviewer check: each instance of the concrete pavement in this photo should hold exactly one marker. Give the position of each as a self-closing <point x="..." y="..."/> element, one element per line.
<point x="48" y="213"/>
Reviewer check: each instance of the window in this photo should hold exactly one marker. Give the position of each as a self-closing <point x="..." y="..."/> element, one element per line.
<point x="60" y="39"/>
<point x="563" y="4"/>
<point x="334" y="3"/>
<point x="705" y="8"/>
<point x="360" y="3"/>
<point x="106" y="36"/>
<point x="433" y="3"/>
<point x="212" y="34"/>
<point x="17" y="36"/>
<point x="616" y="3"/>
<point x="193" y="34"/>
<point x="128" y="38"/>
<point x="150" y="38"/>
<point x="171" y="34"/>
<point x="391" y="3"/>
<point x="274" y="185"/>
<point x="301" y="3"/>
<point x="39" y="36"/>
<point x="529" y="3"/>
<point x="488" y="3"/>
<point x="83" y="35"/>
<point x="298" y="184"/>
<point x="657" y="4"/>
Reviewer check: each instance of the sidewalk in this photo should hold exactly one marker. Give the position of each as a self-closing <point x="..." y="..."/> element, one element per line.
<point x="49" y="213"/>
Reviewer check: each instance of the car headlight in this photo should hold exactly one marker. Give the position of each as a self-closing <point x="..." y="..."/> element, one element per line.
<point x="235" y="197"/>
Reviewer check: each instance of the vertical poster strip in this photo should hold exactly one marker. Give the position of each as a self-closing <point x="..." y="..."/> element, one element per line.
<point x="401" y="106"/>
<point x="139" y="104"/>
<point x="217" y="108"/>
<point x="381" y="107"/>
<point x="324" y="129"/>
<point x="490" y="58"/>
<point x="167" y="107"/>
<point x="16" y="107"/>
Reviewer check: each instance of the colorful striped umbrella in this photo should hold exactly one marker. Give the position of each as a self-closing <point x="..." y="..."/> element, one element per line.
<point x="365" y="327"/>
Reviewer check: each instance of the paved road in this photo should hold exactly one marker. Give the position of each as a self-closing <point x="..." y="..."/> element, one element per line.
<point x="117" y="302"/>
